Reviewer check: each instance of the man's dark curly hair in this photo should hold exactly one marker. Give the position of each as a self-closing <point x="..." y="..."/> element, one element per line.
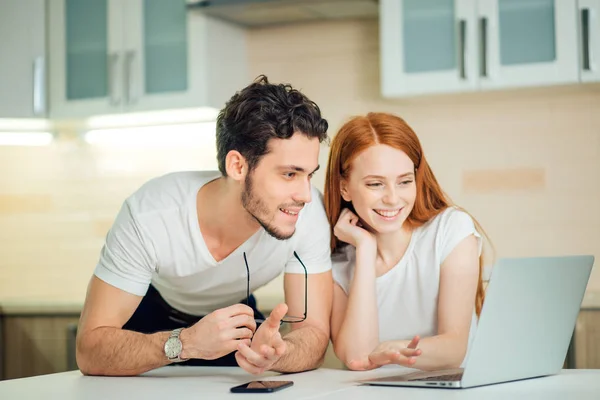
<point x="263" y="111"/>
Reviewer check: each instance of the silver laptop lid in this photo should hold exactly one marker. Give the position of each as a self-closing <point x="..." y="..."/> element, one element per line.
<point x="528" y="317"/>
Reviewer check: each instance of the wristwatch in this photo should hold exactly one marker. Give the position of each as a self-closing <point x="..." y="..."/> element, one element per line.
<point x="173" y="346"/>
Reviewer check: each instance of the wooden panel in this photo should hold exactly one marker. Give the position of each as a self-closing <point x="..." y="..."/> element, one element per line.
<point x="505" y="180"/>
<point x="587" y="340"/>
<point x="2" y="358"/>
<point x="35" y="345"/>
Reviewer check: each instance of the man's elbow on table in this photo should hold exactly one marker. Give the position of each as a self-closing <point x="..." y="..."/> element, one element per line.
<point x="85" y="371"/>
<point x="83" y="362"/>
<point x="84" y="356"/>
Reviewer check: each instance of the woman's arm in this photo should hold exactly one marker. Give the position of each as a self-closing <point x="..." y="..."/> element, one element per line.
<point x="354" y="318"/>
<point x="458" y="286"/>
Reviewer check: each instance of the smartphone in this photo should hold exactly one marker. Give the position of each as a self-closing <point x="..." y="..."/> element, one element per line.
<point x="261" y="386"/>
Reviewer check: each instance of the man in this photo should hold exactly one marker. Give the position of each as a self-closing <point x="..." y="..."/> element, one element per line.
<point x="187" y="248"/>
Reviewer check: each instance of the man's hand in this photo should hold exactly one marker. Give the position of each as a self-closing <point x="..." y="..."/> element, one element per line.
<point x="219" y="333"/>
<point x="267" y="344"/>
<point x="391" y="352"/>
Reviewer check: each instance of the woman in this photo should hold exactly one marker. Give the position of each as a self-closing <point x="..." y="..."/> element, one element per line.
<point x="406" y="262"/>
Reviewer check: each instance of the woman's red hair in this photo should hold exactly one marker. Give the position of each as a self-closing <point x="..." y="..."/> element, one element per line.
<point x="357" y="135"/>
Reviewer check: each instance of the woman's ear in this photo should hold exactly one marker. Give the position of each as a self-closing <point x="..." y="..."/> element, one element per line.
<point x="344" y="191"/>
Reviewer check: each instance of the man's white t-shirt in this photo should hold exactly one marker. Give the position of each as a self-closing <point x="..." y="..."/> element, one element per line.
<point x="407" y="295"/>
<point x="156" y="239"/>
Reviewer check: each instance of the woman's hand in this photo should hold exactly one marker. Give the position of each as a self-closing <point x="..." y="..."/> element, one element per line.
<point x="348" y="229"/>
<point x="391" y="352"/>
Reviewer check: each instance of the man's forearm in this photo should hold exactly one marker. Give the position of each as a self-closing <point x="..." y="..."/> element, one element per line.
<point x="117" y="352"/>
<point x="306" y="348"/>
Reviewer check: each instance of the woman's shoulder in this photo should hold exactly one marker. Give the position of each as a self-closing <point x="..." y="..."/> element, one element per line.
<point x="447" y="229"/>
<point x="449" y="219"/>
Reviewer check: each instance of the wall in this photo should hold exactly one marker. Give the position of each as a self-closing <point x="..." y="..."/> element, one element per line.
<point x="58" y="202"/>
<point x="525" y="163"/>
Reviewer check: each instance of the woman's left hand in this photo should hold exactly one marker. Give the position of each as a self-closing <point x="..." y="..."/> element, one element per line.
<point x="391" y="352"/>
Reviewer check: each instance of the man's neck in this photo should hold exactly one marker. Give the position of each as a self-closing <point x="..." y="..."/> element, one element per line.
<point x="224" y="223"/>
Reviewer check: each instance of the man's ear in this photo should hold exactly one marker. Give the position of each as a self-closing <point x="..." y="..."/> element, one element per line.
<point x="344" y="191"/>
<point x="236" y="165"/>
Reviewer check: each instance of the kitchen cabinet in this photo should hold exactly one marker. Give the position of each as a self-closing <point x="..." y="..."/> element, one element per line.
<point x="427" y="47"/>
<point x="586" y="341"/>
<point x="23" y="55"/>
<point x="35" y="344"/>
<point x="527" y="43"/>
<point x="589" y="40"/>
<point x="443" y="46"/>
<point x="113" y="56"/>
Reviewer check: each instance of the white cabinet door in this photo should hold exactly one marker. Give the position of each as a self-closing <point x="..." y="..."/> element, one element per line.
<point x="160" y="68"/>
<point x="22" y="59"/>
<point x="427" y="46"/>
<point x="527" y="43"/>
<point x="86" y="60"/>
<point x="175" y="58"/>
<point x="589" y="40"/>
<point x="113" y="56"/>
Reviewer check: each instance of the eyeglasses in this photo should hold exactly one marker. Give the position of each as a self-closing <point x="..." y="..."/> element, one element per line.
<point x="287" y="318"/>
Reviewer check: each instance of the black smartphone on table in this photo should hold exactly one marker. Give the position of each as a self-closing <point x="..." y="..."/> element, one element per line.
<point x="261" y="386"/>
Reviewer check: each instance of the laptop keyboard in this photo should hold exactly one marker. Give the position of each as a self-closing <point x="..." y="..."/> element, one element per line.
<point x="453" y="377"/>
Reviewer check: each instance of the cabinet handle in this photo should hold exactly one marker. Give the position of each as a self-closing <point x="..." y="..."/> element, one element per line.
<point x="586" y="51"/>
<point x="483" y="47"/>
<point x="129" y="57"/>
<point x="462" y="35"/>
<point x="113" y="60"/>
<point x="39" y="86"/>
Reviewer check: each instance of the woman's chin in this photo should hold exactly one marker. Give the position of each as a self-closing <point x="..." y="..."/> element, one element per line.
<point x="386" y="227"/>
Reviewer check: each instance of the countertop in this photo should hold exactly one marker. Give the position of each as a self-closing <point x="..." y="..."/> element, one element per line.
<point x="323" y="383"/>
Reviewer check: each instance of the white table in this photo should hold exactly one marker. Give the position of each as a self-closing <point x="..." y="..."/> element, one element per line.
<point x="212" y="382"/>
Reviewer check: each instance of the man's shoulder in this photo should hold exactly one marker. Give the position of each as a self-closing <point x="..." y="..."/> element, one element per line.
<point x="169" y="191"/>
<point x="316" y="205"/>
<point x="313" y="216"/>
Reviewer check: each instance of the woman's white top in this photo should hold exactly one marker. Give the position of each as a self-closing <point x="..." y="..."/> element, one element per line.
<point x="407" y="295"/>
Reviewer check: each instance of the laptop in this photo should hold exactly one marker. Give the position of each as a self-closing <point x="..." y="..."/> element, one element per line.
<point x="525" y="327"/>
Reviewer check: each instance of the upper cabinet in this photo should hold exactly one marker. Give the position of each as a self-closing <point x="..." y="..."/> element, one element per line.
<point x="527" y="42"/>
<point x="589" y="39"/>
<point x="23" y="59"/>
<point x="438" y="46"/>
<point x="427" y="46"/>
<point x="111" y="56"/>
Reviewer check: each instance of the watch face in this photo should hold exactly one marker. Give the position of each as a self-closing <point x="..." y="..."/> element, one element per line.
<point x="173" y="347"/>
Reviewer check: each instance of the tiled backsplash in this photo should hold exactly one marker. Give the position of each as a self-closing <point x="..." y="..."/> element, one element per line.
<point x="526" y="164"/>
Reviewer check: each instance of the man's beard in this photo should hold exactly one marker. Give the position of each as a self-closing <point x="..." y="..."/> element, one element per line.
<point x="255" y="207"/>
